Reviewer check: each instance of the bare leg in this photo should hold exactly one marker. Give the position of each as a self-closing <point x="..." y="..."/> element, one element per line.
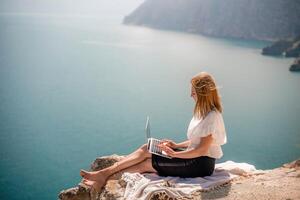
<point x="142" y="167"/>
<point x="101" y="175"/>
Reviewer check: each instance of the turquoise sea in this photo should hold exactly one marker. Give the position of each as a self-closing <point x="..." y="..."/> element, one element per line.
<point x="74" y="87"/>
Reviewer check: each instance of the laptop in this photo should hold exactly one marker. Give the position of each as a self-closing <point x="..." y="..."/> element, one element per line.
<point x="153" y="142"/>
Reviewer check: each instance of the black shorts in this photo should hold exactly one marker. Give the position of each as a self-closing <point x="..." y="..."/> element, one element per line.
<point x="191" y="167"/>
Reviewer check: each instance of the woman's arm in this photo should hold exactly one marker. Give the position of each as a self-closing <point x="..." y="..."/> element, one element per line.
<point x="201" y="150"/>
<point x="174" y="145"/>
<point x="183" y="144"/>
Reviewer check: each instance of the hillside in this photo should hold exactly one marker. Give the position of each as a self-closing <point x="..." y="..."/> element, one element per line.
<point x="249" y="19"/>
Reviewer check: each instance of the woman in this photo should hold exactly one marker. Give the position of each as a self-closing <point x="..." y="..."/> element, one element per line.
<point x="206" y="133"/>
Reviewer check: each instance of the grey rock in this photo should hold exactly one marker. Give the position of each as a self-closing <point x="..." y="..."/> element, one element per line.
<point x="278" y="48"/>
<point x="114" y="189"/>
<point x="295" y="66"/>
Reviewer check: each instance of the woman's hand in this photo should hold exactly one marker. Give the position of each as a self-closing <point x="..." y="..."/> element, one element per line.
<point x="169" y="151"/>
<point x="169" y="143"/>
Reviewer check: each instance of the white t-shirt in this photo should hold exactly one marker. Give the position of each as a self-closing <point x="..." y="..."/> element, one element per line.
<point x="212" y="124"/>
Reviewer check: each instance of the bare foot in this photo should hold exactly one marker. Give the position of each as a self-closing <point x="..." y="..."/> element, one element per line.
<point x="97" y="185"/>
<point x="87" y="175"/>
<point x="93" y="176"/>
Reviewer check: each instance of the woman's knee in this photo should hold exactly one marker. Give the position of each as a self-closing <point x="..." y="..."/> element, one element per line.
<point x="143" y="149"/>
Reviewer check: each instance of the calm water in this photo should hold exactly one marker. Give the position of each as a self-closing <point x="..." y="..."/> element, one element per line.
<point x="76" y="87"/>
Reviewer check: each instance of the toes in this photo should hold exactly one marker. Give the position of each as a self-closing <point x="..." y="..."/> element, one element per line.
<point x="84" y="180"/>
<point x="88" y="182"/>
<point x="92" y="184"/>
<point x="83" y="173"/>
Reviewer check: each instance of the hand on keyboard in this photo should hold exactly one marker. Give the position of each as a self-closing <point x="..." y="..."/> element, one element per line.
<point x="169" y="143"/>
<point x="166" y="150"/>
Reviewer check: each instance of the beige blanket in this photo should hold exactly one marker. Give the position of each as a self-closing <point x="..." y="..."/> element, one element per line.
<point x="143" y="186"/>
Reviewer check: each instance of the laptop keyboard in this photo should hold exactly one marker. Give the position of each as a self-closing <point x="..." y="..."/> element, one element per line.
<point x="153" y="145"/>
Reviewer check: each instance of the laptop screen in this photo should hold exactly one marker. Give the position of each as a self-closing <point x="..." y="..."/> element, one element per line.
<point x="147" y="129"/>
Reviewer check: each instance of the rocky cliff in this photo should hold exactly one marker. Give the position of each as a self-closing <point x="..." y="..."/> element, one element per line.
<point x="278" y="183"/>
<point x="295" y="66"/>
<point x="251" y="19"/>
<point x="286" y="48"/>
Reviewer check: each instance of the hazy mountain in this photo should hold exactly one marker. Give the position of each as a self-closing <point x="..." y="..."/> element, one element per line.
<point x="253" y="19"/>
<point x="69" y="7"/>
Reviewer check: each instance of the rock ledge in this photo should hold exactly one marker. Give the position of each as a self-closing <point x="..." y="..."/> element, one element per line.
<point x="278" y="183"/>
